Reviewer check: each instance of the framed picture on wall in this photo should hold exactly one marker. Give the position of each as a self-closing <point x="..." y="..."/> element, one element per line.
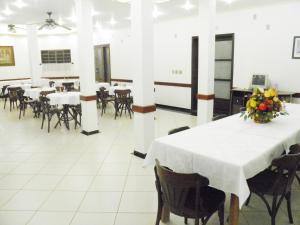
<point x="296" y="48"/>
<point x="7" y="57"/>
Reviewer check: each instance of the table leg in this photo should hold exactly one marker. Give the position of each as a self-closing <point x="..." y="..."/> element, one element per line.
<point x="234" y="210"/>
<point x="165" y="216"/>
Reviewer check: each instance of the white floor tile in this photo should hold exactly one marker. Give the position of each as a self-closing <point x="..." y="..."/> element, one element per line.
<point x="75" y="183"/>
<point x="138" y="202"/>
<point x="94" y="219"/>
<point x="101" y="202"/>
<point x="108" y="183"/>
<point x="15" y="217"/>
<point x="13" y="181"/>
<point x="26" y="200"/>
<point x="63" y="201"/>
<point x="43" y="182"/>
<point x="51" y="218"/>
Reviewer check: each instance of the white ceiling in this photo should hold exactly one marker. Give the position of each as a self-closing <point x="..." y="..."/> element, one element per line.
<point x="35" y="11"/>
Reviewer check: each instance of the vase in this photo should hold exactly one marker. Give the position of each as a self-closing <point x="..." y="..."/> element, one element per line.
<point x="261" y="120"/>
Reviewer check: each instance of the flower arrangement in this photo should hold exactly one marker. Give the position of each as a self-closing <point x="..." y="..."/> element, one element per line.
<point x="263" y="106"/>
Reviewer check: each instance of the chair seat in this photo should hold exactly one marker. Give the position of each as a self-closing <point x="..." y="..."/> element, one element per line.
<point x="212" y="199"/>
<point x="266" y="182"/>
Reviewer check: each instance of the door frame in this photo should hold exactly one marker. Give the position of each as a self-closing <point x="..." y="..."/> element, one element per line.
<point x="106" y="78"/>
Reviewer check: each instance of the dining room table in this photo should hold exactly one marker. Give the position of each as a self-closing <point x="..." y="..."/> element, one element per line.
<point x="228" y="152"/>
<point x="66" y="100"/>
<point x="34" y="93"/>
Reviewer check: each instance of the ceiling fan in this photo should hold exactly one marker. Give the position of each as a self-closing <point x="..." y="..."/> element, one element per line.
<point x="50" y="23"/>
<point x="12" y="28"/>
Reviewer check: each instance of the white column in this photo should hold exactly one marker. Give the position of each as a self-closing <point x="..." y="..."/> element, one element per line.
<point x="142" y="70"/>
<point x="34" y="54"/>
<point x="207" y="14"/>
<point x="86" y="67"/>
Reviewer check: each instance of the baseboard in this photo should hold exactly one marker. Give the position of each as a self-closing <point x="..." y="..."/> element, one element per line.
<point x="90" y="133"/>
<point x="139" y="154"/>
<point x="173" y="108"/>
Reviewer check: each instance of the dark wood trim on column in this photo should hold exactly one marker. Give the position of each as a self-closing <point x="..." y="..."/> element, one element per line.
<point x="90" y="132"/>
<point x="88" y="98"/>
<point x="60" y="77"/>
<point x="12" y="79"/>
<point x="172" y="84"/>
<point x="205" y="97"/>
<point x="144" y="109"/>
<point x="121" y="80"/>
<point x="139" y="154"/>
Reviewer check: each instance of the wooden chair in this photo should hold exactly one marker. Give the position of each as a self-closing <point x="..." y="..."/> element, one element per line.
<point x="294" y="150"/>
<point x="104" y="98"/>
<point x="76" y="114"/>
<point x="276" y="181"/>
<point x="187" y="195"/>
<point x="13" y="97"/>
<point x="24" y="102"/>
<point x="123" y="102"/>
<point x="48" y="112"/>
<point x="4" y="94"/>
<point x="179" y="129"/>
<point x="51" y="83"/>
<point x="68" y="86"/>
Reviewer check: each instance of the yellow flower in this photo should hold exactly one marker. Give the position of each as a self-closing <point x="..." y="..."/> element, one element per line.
<point x="275" y="99"/>
<point x="267" y="94"/>
<point x="272" y="92"/>
<point x="252" y="103"/>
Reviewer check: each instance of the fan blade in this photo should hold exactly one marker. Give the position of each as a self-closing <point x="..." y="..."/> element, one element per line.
<point x="63" y="26"/>
<point x="43" y="26"/>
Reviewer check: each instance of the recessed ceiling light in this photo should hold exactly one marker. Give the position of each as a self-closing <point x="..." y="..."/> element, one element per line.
<point x="20" y="4"/>
<point x="188" y="5"/>
<point x="7" y="11"/>
<point x="156" y="13"/>
<point x="229" y="1"/>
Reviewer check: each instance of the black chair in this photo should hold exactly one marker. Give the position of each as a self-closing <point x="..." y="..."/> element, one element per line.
<point x="49" y="111"/>
<point x="123" y="102"/>
<point x="68" y="86"/>
<point x="24" y="102"/>
<point x="104" y="98"/>
<point x="276" y="181"/>
<point x="4" y="94"/>
<point x="294" y="150"/>
<point x="76" y="114"/>
<point x="51" y="83"/>
<point x="13" y="97"/>
<point x="179" y="129"/>
<point x="187" y="195"/>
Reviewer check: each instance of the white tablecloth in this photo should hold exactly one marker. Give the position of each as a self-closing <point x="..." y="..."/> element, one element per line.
<point x="102" y="84"/>
<point x="112" y="89"/>
<point x="61" y="81"/>
<point x="64" y="98"/>
<point x="34" y="93"/>
<point x="228" y="151"/>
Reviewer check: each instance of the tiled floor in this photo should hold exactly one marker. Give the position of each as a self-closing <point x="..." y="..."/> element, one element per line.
<point x="66" y="178"/>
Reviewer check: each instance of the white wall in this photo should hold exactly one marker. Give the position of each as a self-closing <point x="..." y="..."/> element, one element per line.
<point x="257" y="50"/>
<point x="21" y="69"/>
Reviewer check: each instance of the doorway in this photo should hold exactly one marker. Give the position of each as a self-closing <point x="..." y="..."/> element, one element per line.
<point x="194" y="88"/>
<point x="224" y="61"/>
<point x="102" y="63"/>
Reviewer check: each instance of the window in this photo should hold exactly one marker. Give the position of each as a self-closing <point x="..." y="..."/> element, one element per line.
<point x="56" y="56"/>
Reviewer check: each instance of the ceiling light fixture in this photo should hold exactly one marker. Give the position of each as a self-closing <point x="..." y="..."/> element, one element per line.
<point x="156" y="13"/>
<point x="188" y="5"/>
<point x="229" y="1"/>
<point x="112" y="21"/>
<point x="7" y="11"/>
<point x="20" y="4"/>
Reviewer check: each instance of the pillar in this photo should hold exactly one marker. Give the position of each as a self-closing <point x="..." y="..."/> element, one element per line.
<point x="206" y="64"/>
<point x="142" y="70"/>
<point x="34" y="54"/>
<point x="86" y="67"/>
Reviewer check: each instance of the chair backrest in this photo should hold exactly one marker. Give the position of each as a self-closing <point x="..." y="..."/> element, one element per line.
<point x="116" y="84"/>
<point x="13" y="92"/>
<point x="20" y="94"/>
<point x="122" y="95"/>
<point x="45" y="93"/>
<point x="51" y="83"/>
<point x="4" y="89"/>
<point x="175" y="188"/>
<point x="45" y="106"/>
<point x="69" y="86"/>
<point x="179" y="129"/>
<point x="286" y="167"/>
<point x="103" y="93"/>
